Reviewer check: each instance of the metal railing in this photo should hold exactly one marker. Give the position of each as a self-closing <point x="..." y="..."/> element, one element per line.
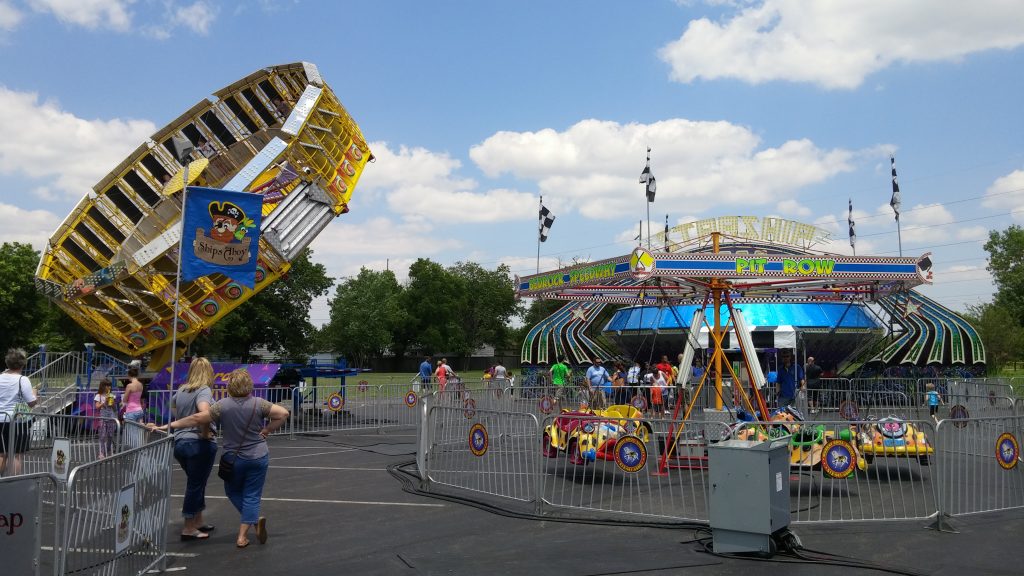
<point x="979" y="465"/>
<point x="34" y="436"/>
<point x="115" y="510"/>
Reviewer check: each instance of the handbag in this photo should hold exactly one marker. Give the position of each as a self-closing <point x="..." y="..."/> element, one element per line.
<point x="226" y="468"/>
<point x="22" y="407"/>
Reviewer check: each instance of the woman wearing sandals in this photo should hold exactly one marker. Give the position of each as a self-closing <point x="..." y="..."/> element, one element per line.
<point x="240" y="417"/>
<point x="195" y="447"/>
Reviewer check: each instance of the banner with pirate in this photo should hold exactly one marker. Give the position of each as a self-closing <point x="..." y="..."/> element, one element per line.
<point x="221" y="234"/>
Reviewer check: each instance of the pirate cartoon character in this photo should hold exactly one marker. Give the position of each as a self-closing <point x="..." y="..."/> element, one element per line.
<point x="229" y="222"/>
<point x="122" y="528"/>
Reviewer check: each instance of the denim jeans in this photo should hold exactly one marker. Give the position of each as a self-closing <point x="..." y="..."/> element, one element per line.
<point x="246" y="486"/>
<point x="134" y="436"/>
<point x="196" y="459"/>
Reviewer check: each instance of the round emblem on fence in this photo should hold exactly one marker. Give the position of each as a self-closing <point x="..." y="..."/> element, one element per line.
<point x="335" y="402"/>
<point x="1007" y="450"/>
<point x="411" y="398"/>
<point x="478" y="439"/>
<point x="546" y="404"/>
<point x="363" y="385"/>
<point x="639" y="402"/>
<point x="630" y="454"/>
<point x="469" y="408"/>
<point x="848" y="410"/>
<point x="838" y="459"/>
<point x="959" y="415"/>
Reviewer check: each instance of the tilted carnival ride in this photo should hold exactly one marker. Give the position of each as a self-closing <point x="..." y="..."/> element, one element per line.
<point x="279" y="132"/>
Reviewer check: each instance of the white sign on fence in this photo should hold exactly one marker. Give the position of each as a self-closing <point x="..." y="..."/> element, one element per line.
<point x="19" y="525"/>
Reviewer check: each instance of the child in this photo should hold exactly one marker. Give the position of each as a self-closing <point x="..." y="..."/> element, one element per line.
<point x="104" y="402"/>
<point x="658" y="392"/>
<point x="933" y="398"/>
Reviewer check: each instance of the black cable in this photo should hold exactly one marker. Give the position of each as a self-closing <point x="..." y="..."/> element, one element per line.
<point x="307" y="436"/>
<point x="408" y="481"/>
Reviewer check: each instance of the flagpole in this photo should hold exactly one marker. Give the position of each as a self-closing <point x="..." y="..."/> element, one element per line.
<point x="541" y="208"/>
<point x="177" y="277"/>
<point x="899" y="235"/>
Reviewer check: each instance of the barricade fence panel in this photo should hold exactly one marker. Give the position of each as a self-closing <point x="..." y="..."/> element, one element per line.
<point x="855" y="470"/>
<point x="48" y="441"/>
<point x="980" y="465"/>
<point x="621" y="464"/>
<point x="356" y="406"/>
<point x="484" y="451"/>
<point x="30" y="530"/>
<point x="115" y="510"/>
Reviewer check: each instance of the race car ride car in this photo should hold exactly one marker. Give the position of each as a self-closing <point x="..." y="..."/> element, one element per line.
<point x="892" y="436"/>
<point x="586" y="436"/>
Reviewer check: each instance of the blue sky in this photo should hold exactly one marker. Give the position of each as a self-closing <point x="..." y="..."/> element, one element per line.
<point x="473" y="109"/>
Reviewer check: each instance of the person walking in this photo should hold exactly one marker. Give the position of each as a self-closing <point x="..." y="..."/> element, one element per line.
<point x="240" y="417"/>
<point x="559" y="378"/>
<point x="426" y="371"/>
<point x="15" y="389"/>
<point x="597" y="380"/>
<point x="195" y="448"/>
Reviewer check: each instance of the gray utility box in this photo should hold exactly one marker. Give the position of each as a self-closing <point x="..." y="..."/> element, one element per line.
<point x="749" y="493"/>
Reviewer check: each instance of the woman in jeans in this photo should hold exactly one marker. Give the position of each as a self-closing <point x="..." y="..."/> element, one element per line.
<point x="195" y="448"/>
<point x="240" y="417"/>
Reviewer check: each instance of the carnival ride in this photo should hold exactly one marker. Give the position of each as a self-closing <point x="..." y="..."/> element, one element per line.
<point x="279" y="132"/>
<point x="725" y="281"/>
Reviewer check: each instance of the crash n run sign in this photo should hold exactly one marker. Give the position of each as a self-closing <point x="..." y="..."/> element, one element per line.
<point x="225" y="227"/>
<point x="788" y="266"/>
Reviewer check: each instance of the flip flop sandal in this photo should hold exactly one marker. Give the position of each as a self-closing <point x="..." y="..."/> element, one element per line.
<point x="197" y="535"/>
<point x="207" y="528"/>
<point x="240" y="545"/>
<point x="261" y="530"/>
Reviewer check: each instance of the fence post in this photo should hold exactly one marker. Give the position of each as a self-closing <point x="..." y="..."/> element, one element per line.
<point x="941" y="522"/>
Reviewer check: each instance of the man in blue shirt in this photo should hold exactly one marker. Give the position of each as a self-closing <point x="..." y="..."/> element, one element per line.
<point x="598" y="376"/>
<point x="426" y="371"/>
<point x="790" y="377"/>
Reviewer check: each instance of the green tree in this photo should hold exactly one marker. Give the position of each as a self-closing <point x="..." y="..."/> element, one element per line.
<point x="431" y="299"/>
<point x="1002" y="335"/>
<point x="1006" y="263"/>
<point x="486" y="304"/>
<point x="277" y="317"/>
<point x="23" y="309"/>
<point x="365" y="313"/>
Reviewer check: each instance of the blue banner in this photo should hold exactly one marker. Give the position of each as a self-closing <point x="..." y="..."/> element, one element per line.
<point x="221" y="234"/>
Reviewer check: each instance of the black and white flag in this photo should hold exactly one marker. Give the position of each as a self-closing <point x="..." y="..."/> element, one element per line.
<point x="546" y="220"/>
<point x="647" y="177"/>
<point x="896" y="201"/>
<point x="852" y="224"/>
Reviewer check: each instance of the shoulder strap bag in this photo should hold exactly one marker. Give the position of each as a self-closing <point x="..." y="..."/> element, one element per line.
<point x="226" y="468"/>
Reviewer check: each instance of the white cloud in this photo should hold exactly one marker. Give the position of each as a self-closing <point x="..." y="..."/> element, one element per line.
<point x="196" y="17"/>
<point x="923" y="223"/>
<point x="793" y="208"/>
<point x="837" y="44"/>
<point x="526" y="265"/>
<point x="418" y="184"/>
<point x="1007" y="193"/>
<point x="10" y="16"/>
<point x="92" y="14"/>
<point x="594" y="165"/>
<point x="28" y="226"/>
<point x="42" y="141"/>
<point x="972" y="233"/>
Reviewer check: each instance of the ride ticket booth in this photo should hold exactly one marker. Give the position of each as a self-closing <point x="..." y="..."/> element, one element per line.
<point x="749" y="499"/>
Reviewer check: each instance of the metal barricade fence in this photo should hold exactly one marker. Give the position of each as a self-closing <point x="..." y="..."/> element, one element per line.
<point x="621" y="465"/>
<point x="35" y="437"/>
<point x="354" y="407"/>
<point x="852" y="471"/>
<point x="980" y="466"/>
<point x="483" y="451"/>
<point x="115" y="510"/>
<point x="31" y="530"/>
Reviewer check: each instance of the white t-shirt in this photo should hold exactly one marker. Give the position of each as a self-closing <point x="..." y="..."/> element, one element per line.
<point x="500" y="372"/>
<point x="9" y="396"/>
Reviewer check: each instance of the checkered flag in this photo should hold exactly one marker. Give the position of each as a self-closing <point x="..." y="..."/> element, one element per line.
<point x="852" y="225"/>
<point x="897" y="200"/>
<point x="647" y="177"/>
<point x="546" y="220"/>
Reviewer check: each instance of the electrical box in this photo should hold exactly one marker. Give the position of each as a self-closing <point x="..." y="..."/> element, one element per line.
<point x="749" y="493"/>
